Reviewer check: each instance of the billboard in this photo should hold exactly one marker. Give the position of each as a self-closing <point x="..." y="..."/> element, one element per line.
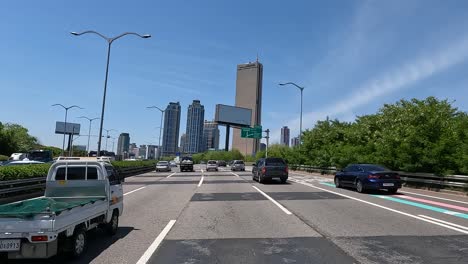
<point x="233" y="115"/>
<point x="71" y="128"/>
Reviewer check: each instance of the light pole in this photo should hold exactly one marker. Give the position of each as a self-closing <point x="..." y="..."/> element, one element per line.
<point x="267" y="141"/>
<point x="301" y="89"/>
<point x="89" y="130"/>
<point x="66" y="114"/>
<point x="160" y="127"/>
<point x="107" y="135"/>
<point x="109" y="43"/>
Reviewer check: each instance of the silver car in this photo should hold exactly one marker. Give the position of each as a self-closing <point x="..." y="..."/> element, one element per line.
<point x="163" y="166"/>
<point x="238" y="165"/>
<point x="212" y="165"/>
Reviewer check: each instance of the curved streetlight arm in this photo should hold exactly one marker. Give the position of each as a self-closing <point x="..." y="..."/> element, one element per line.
<point x="300" y="88"/>
<point x="89" y="119"/>
<point x="155" y="107"/>
<point x="110" y="40"/>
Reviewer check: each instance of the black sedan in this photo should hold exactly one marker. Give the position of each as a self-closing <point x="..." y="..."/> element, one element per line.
<point x="270" y="168"/>
<point x="368" y="177"/>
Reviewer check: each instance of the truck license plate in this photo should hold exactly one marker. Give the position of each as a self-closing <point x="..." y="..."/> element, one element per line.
<point x="387" y="184"/>
<point x="10" y="245"/>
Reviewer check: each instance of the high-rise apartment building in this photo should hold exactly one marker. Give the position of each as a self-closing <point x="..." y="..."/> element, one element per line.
<point x="123" y="144"/>
<point x="249" y="95"/>
<point x="171" y="129"/>
<point x="294" y="141"/>
<point x="284" y="140"/>
<point x="210" y="135"/>
<point x="194" y="130"/>
<point x="183" y="139"/>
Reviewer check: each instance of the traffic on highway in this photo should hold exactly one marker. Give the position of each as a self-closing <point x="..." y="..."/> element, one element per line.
<point x="225" y="216"/>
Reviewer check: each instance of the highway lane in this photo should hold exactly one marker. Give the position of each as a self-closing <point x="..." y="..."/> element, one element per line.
<point x="227" y="220"/>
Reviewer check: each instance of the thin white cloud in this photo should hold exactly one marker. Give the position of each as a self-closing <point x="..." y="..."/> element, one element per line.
<point x="404" y="76"/>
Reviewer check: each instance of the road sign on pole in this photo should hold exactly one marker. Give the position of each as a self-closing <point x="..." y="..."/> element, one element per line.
<point x="251" y="132"/>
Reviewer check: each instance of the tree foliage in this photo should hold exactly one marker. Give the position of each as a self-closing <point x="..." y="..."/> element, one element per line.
<point x="15" y="138"/>
<point x="427" y="135"/>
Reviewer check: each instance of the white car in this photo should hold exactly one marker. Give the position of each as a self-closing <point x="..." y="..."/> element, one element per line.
<point x="81" y="194"/>
<point x="163" y="166"/>
<point x="212" y="165"/>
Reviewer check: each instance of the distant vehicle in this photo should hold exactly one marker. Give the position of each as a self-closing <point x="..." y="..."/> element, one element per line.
<point x="202" y="162"/>
<point x="186" y="164"/>
<point x="163" y="166"/>
<point x="173" y="164"/>
<point x="238" y="165"/>
<point x="221" y="163"/>
<point x="212" y="165"/>
<point x="40" y="155"/>
<point x="368" y="177"/>
<point x="80" y="195"/>
<point x="22" y="162"/>
<point x="270" y="168"/>
<point x="18" y="156"/>
<point x="230" y="163"/>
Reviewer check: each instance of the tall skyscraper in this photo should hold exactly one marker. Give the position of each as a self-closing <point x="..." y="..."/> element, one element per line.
<point x="194" y="131"/>
<point x="249" y="95"/>
<point x="284" y="136"/>
<point x="183" y="139"/>
<point x="210" y="135"/>
<point x="294" y="141"/>
<point x="123" y="144"/>
<point x="171" y="129"/>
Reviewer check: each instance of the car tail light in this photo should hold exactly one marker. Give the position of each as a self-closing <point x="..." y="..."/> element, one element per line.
<point x="397" y="176"/>
<point x="263" y="170"/>
<point x="39" y="238"/>
<point x="286" y="169"/>
<point x="372" y="176"/>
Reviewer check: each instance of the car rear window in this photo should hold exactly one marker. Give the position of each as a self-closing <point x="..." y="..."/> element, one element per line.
<point x="76" y="173"/>
<point x="373" y="168"/>
<point x="239" y="162"/>
<point x="274" y="162"/>
<point x="211" y="162"/>
<point x="162" y="163"/>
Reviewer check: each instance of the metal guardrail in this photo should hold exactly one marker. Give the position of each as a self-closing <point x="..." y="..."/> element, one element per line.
<point x="13" y="187"/>
<point x="412" y="179"/>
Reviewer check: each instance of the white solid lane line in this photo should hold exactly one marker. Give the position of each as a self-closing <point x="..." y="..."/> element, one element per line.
<point x="435" y="197"/>
<point x="384" y="207"/>
<point x="149" y="252"/>
<point x="171" y="175"/>
<point x="201" y="180"/>
<point x="445" y="222"/>
<point x="272" y="200"/>
<point x="136" y="190"/>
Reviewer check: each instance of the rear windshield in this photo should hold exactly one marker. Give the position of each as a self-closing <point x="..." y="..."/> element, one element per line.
<point x="162" y="163"/>
<point x="373" y="168"/>
<point x="187" y="158"/>
<point x="76" y="173"/>
<point x="239" y="162"/>
<point x="274" y="162"/>
<point x="211" y="162"/>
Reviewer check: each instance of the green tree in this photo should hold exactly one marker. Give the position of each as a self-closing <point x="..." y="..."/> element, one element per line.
<point x="15" y="138"/>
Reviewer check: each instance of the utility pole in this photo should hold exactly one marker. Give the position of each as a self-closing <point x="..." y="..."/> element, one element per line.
<point x="267" y="141"/>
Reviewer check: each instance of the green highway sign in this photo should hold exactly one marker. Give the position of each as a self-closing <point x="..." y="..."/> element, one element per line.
<point x="251" y="132"/>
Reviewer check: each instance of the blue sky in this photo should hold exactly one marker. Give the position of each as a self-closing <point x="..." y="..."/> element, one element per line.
<point x="352" y="56"/>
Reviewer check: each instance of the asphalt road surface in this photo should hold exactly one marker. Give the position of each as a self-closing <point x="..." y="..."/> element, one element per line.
<point x="225" y="217"/>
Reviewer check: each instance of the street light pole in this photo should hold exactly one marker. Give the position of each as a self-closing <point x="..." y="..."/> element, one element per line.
<point x="66" y="114"/>
<point x="109" y="43"/>
<point x="89" y="130"/>
<point x="267" y="142"/>
<point x="160" y="127"/>
<point x="107" y="135"/>
<point x="302" y="90"/>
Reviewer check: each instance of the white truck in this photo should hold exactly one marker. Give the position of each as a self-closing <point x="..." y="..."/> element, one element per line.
<point x="81" y="194"/>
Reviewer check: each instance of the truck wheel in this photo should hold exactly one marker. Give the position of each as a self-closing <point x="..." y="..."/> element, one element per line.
<point x="113" y="225"/>
<point x="79" y="243"/>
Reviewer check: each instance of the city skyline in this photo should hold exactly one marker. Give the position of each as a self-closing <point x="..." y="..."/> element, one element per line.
<point x="171" y="128"/>
<point x="284" y="140"/>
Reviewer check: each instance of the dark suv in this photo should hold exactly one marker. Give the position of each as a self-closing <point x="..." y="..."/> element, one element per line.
<point x="270" y="168"/>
